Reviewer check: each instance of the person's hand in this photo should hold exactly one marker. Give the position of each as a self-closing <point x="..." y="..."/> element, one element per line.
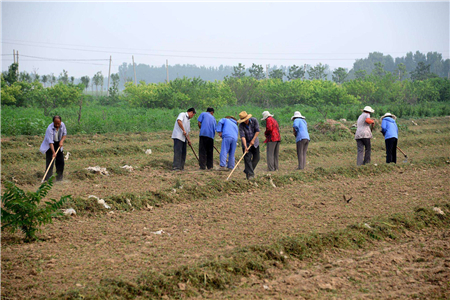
<point x="184" y="132"/>
<point x="54" y="155"/>
<point x="251" y="144"/>
<point x="189" y="142"/>
<point x="61" y="144"/>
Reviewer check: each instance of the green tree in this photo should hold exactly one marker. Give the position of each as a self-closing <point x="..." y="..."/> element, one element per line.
<point x="276" y="74"/>
<point x="113" y="97"/>
<point x="378" y="71"/>
<point x="85" y="81"/>
<point x="64" y="77"/>
<point x="340" y="75"/>
<point x="295" y="72"/>
<point x="401" y="71"/>
<point x="360" y="75"/>
<point x="257" y="72"/>
<point x="11" y="76"/>
<point x="317" y="72"/>
<point x="238" y="71"/>
<point x="44" y="79"/>
<point x="422" y="72"/>
<point x="72" y="79"/>
<point x="52" y="79"/>
<point x="25" y="76"/>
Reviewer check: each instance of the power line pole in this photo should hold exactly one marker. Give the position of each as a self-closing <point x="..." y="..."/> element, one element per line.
<point x="17" y="63"/>
<point x="134" y="68"/>
<point x="14" y="55"/>
<point x="167" y="70"/>
<point x="109" y="74"/>
<point x="267" y="71"/>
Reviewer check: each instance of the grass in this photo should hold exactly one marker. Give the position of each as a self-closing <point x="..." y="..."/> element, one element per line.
<point x="107" y="119"/>
<point x="221" y="273"/>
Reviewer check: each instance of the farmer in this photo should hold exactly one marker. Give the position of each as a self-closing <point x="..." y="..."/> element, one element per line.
<point x="207" y="125"/>
<point x="273" y="139"/>
<point x="55" y="135"/>
<point x="249" y="131"/>
<point x="363" y="135"/>
<point x="228" y="131"/>
<point x="390" y="131"/>
<point x="180" y="135"/>
<point x="300" y="130"/>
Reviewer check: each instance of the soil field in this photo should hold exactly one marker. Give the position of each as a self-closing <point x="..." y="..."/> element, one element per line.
<point x="192" y="234"/>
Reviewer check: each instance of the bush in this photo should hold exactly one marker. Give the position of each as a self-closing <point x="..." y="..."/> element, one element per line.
<point x="22" y="210"/>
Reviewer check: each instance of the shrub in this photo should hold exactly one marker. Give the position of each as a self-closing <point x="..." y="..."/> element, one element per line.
<point x="22" y="210"/>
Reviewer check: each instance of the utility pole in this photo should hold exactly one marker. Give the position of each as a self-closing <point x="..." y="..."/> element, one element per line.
<point x="14" y="55"/>
<point x="267" y="71"/>
<point x="134" y="68"/>
<point x="17" y="64"/>
<point x="167" y="70"/>
<point x="109" y="75"/>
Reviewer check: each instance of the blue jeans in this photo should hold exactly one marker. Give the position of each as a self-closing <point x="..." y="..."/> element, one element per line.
<point x="228" y="148"/>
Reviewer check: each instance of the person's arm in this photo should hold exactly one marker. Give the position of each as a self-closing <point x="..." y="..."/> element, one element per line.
<point x="62" y="141"/>
<point x="383" y="127"/>
<point x="199" y="125"/>
<point x="180" y="124"/>
<point x="53" y="150"/>
<point x="252" y="142"/>
<point x="294" y="132"/>
<point x="269" y="127"/>
<point x="244" y="143"/>
<point x="370" y="122"/>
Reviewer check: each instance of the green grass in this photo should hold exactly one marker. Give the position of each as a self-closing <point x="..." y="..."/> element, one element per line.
<point x="96" y="118"/>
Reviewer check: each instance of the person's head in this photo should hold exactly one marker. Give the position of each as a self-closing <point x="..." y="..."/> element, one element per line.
<point x="265" y="115"/>
<point x="210" y="110"/>
<point x="244" y="117"/>
<point x="230" y="117"/>
<point x="191" y="112"/>
<point x="57" y="121"/>
<point x="368" y="110"/>
<point x="297" y="115"/>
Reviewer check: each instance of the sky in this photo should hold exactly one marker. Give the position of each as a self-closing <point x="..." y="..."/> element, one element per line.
<point x="80" y="37"/>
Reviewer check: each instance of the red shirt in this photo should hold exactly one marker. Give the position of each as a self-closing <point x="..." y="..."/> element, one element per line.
<point x="272" y="130"/>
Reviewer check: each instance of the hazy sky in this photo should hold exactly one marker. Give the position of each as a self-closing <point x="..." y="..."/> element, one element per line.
<point x="83" y="35"/>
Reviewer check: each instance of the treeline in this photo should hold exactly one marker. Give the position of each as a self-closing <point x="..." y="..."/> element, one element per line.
<point x="402" y="67"/>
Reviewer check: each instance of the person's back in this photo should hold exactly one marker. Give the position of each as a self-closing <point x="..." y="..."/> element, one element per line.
<point x="389" y="128"/>
<point x="229" y="129"/>
<point x="208" y="122"/>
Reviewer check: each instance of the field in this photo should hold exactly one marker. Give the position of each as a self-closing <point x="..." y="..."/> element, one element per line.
<point x="238" y="239"/>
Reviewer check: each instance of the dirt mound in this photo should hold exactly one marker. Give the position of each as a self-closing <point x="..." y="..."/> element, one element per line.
<point x="332" y="126"/>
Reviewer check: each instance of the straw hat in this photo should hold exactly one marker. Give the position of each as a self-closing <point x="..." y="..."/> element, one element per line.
<point x="265" y="115"/>
<point x="368" y="109"/>
<point x="243" y="116"/>
<point x="388" y="115"/>
<point x="297" y="114"/>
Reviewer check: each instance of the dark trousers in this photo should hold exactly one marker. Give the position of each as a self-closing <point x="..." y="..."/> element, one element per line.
<point x="391" y="150"/>
<point x="59" y="162"/>
<point x="363" y="143"/>
<point x="251" y="160"/>
<point x="205" y="152"/>
<point x="302" y="147"/>
<point x="179" y="154"/>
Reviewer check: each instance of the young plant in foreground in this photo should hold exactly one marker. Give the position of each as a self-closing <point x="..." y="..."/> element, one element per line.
<point x="22" y="210"/>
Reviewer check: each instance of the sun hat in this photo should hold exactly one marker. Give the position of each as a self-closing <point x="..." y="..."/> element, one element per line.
<point x="265" y="115"/>
<point x="243" y="116"/>
<point x="388" y="115"/>
<point x="297" y="114"/>
<point x="368" y="109"/>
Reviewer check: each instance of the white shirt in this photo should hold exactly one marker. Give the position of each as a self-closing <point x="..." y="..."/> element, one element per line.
<point x="177" y="131"/>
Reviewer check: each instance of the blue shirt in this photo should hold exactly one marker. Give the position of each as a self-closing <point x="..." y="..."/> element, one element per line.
<point x="208" y="124"/>
<point x="301" y="128"/>
<point x="50" y="136"/>
<point x="228" y="127"/>
<point x="389" y="128"/>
